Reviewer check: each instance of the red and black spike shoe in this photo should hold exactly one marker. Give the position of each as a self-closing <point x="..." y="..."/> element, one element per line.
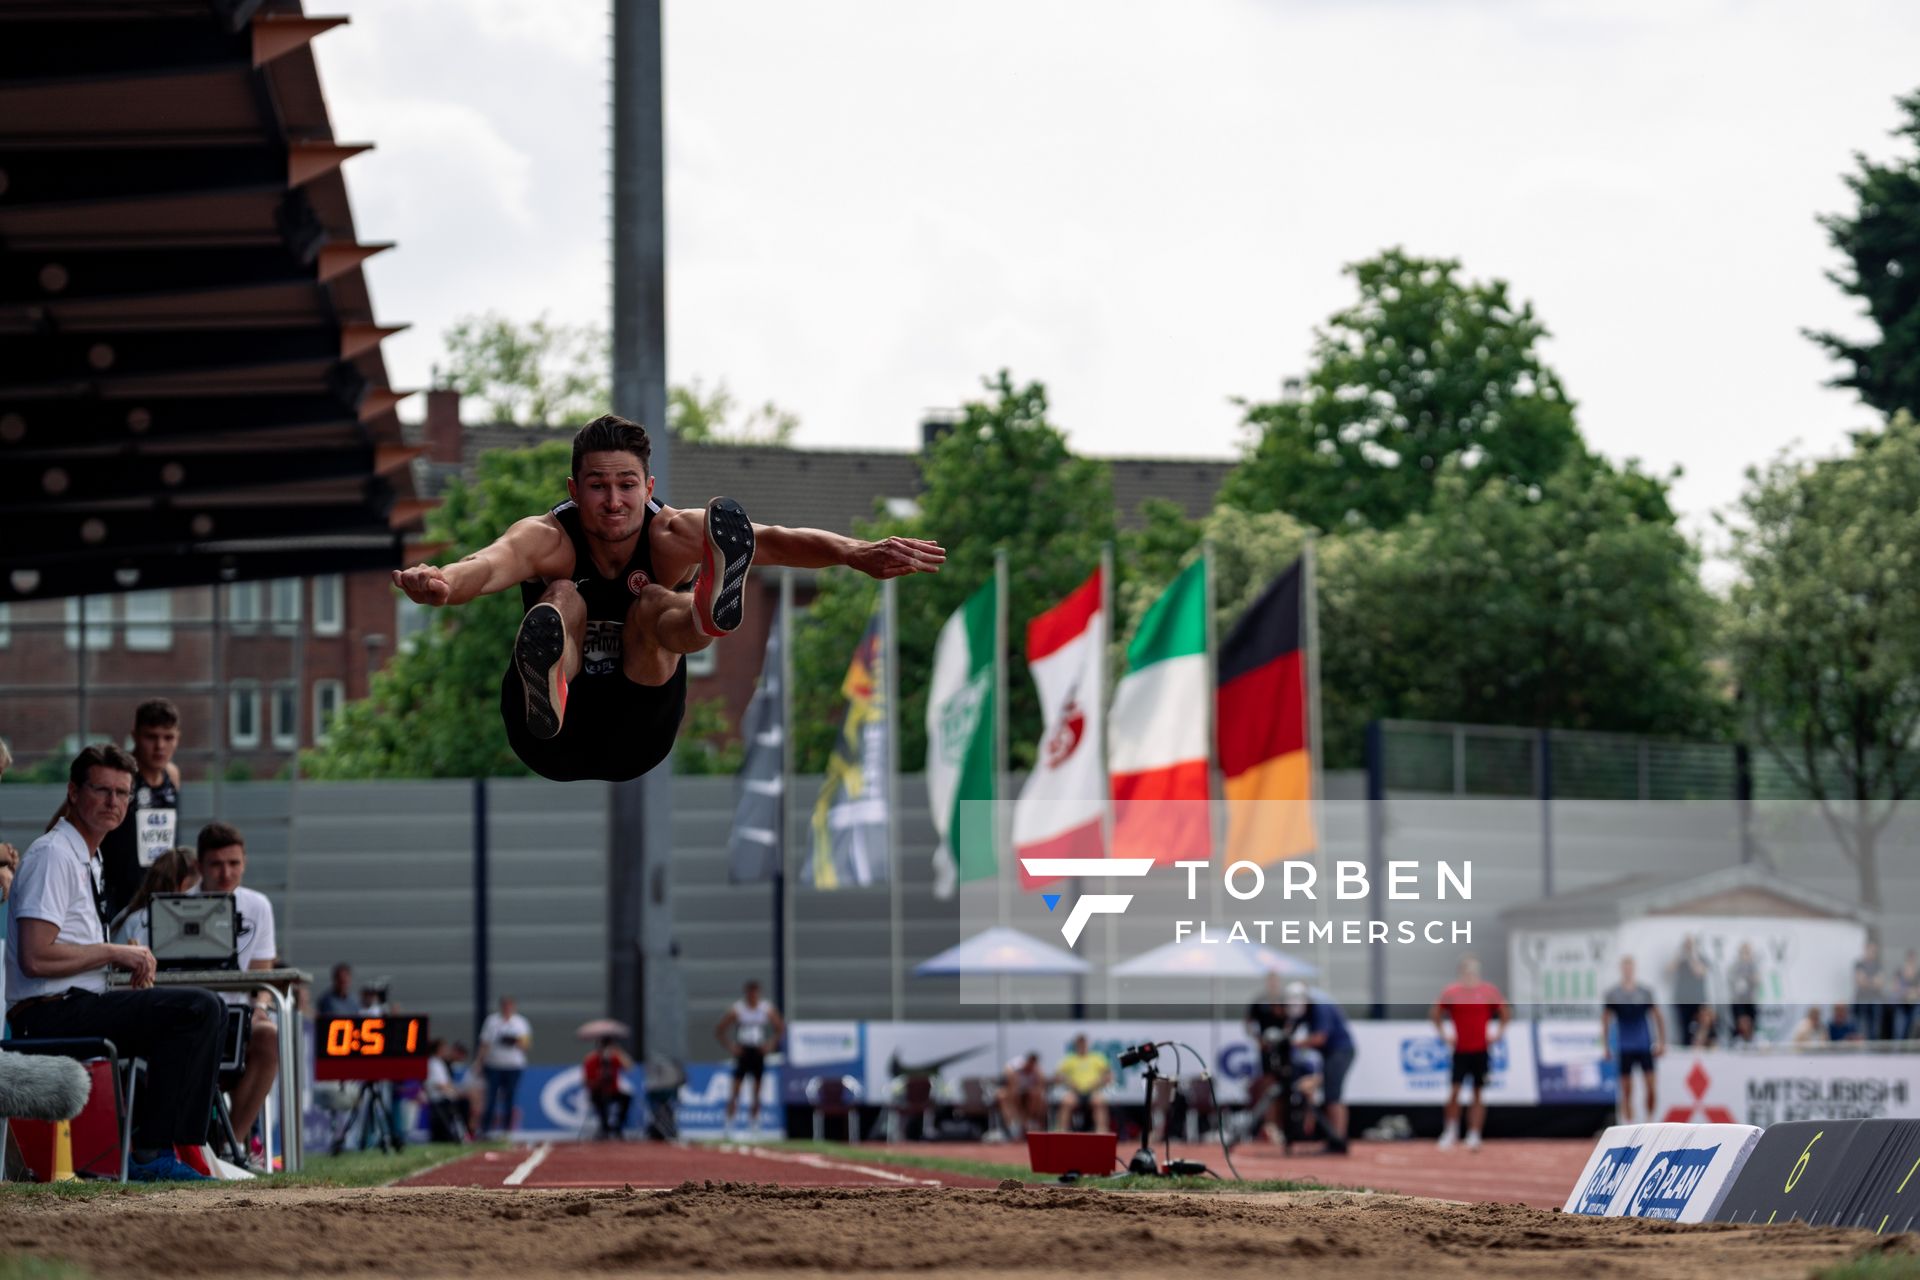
<point x="719" y="596"/>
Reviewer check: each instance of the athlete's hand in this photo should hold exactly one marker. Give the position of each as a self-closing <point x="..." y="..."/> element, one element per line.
<point x="423" y="584"/>
<point x="896" y="557"/>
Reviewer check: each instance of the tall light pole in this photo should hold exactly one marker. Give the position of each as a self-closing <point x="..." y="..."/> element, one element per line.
<point x="643" y="977"/>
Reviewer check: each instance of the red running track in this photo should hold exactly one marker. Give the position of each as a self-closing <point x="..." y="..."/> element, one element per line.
<point x="655" y="1164"/>
<point x="1533" y="1171"/>
<point x="1536" y="1172"/>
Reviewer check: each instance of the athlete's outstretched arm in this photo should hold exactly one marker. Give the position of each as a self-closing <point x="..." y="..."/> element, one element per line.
<point x="819" y="549"/>
<point x="534" y="547"/>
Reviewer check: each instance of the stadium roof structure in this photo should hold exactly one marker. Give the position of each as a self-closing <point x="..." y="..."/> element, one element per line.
<point x="191" y="385"/>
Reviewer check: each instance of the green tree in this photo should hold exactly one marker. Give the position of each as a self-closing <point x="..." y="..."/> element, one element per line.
<point x="538" y="373"/>
<point x="706" y="745"/>
<point x="535" y="373"/>
<point x="1881" y="242"/>
<point x="1002" y="476"/>
<point x="1574" y="605"/>
<point x="701" y="415"/>
<point x="1825" y="631"/>
<point x="1422" y="370"/>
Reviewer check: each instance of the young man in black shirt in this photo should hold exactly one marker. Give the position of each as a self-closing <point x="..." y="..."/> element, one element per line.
<point x="152" y="824"/>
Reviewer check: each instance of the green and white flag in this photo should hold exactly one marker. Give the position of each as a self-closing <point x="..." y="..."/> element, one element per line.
<point x="960" y="741"/>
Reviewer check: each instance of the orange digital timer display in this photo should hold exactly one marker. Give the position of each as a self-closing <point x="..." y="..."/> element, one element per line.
<point x="371" y="1048"/>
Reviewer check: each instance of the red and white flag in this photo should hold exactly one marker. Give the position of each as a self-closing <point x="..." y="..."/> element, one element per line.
<point x="1062" y="807"/>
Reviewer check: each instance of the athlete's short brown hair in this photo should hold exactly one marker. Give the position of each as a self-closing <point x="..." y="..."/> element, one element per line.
<point x="611" y="434"/>
<point x="156" y="713"/>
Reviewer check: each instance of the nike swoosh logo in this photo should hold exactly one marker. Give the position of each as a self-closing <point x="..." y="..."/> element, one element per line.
<point x="898" y="1068"/>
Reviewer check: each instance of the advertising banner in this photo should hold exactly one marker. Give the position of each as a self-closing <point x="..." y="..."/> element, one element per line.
<point x="1731" y="1087"/>
<point x="702" y="1111"/>
<point x="1407" y="1063"/>
<point x="1395" y="1063"/>
<point x="1572" y="1063"/>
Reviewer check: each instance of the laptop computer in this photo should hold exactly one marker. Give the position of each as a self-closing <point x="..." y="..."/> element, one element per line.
<point x="1090" y="1155"/>
<point x="194" y="930"/>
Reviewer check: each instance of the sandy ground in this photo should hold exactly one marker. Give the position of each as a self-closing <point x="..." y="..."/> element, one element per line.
<point x="743" y="1230"/>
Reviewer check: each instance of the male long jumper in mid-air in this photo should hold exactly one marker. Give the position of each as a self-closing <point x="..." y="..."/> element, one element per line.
<point x="598" y="681"/>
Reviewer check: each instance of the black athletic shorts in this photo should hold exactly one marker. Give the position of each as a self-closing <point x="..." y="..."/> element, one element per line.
<point x="1471" y="1066"/>
<point x="750" y="1060"/>
<point x="613" y="729"/>
<point x="1631" y="1058"/>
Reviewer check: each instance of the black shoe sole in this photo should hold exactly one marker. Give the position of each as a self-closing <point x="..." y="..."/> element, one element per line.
<point x="537" y="651"/>
<point x="730" y="535"/>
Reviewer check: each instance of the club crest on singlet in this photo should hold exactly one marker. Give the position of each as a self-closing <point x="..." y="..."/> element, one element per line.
<point x="637" y="581"/>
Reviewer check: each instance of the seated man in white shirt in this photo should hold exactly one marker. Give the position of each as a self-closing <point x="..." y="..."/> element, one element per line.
<point x="57" y="961"/>
<point x="223" y="863"/>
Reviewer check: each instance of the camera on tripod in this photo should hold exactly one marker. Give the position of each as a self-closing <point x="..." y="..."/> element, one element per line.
<point x="1138" y="1054"/>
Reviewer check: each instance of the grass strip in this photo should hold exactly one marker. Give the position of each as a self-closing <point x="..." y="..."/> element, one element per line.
<point x="1875" y="1266"/>
<point x="348" y="1169"/>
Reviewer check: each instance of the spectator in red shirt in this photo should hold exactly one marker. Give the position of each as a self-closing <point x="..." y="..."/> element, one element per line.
<point x="1472" y="1005"/>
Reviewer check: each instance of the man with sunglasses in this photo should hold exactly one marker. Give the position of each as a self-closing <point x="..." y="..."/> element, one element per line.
<point x="57" y="961"/>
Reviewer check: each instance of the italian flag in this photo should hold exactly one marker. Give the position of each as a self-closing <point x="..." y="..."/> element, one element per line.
<point x="1064" y="801"/>
<point x="1158" y="736"/>
<point x="960" y="740"/>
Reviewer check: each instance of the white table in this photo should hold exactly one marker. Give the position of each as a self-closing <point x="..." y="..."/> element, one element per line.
<point x="278" y="983"/>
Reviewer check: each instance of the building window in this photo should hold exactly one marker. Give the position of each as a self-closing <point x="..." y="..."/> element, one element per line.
<point x="283" y="599"/>
<point x="149" y="619"/>
<point x="243" y="714"/>
<point x="410" y="622"/>
<point x="243" y="606"/>
<point x="286" y="715"/>
<point x="703" y="663"/>
<point x="327" y="697"/>
<point x="329" y="604"/>
<point x="99" y="610"/>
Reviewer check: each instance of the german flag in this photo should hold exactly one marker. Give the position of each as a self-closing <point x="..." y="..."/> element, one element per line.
<point x="1260" y="705"/>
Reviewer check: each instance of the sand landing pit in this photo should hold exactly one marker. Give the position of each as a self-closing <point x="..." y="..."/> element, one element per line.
<point x="742" y="1229"/>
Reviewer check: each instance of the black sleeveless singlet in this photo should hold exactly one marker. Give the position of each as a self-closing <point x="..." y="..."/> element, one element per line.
<point x="613" y="729"/>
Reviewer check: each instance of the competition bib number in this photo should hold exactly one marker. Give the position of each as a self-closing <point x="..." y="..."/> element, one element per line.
<point x="156" y="829"/>
<point x="751" y="1035"/>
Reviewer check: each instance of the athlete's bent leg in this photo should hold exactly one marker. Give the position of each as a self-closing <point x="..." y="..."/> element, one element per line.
<point x="660" y="630"/>
<point x="546" y="653"/>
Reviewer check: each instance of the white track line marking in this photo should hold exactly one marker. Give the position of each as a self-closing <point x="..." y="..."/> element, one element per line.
<point x="820" y="1162"/>
<point x="528" y="1165"/>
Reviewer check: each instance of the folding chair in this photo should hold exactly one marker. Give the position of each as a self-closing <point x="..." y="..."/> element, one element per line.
<point x="126" y="1074"/>
<point x="914" y="1096"/>
<point x="834" y="1096"/>
<point x="1202" y="1107"/>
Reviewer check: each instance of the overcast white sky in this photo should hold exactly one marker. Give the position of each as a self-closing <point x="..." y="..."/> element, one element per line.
<point x="872" y="203"/>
